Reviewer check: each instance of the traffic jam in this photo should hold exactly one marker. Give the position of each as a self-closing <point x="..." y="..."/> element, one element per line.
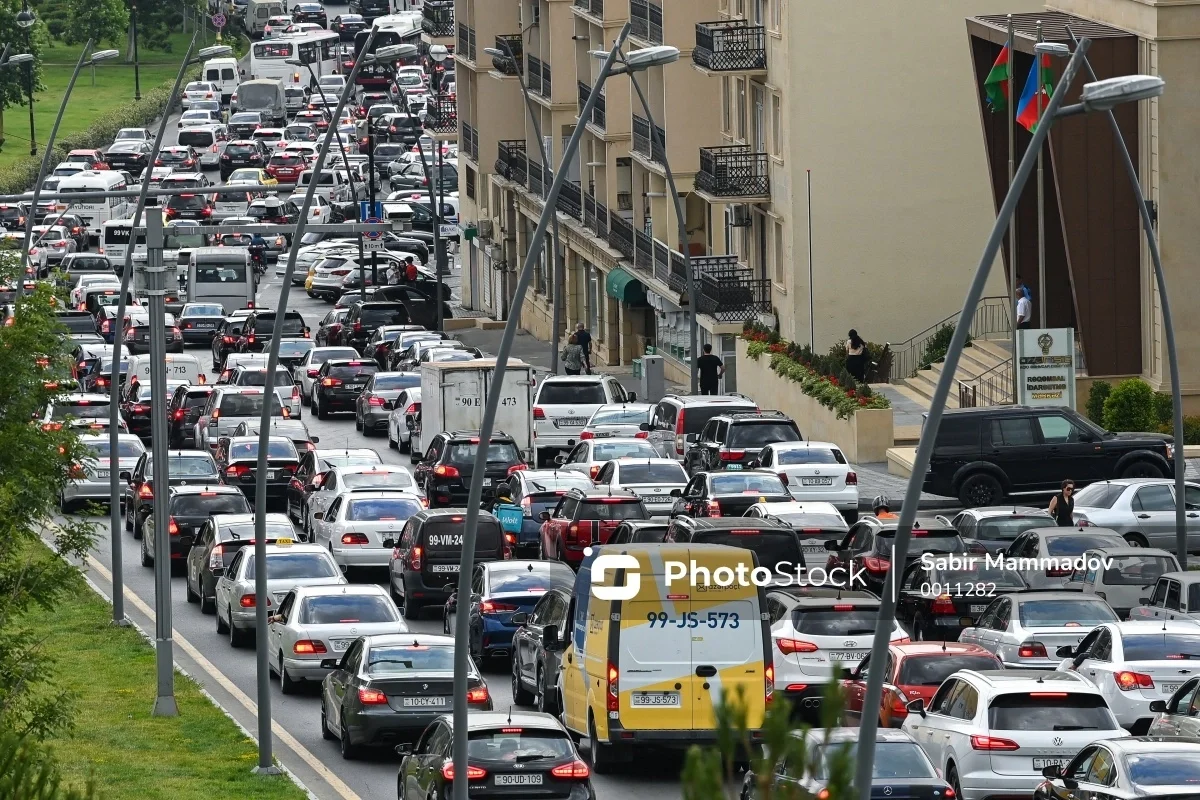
<point x="637" y="561"/>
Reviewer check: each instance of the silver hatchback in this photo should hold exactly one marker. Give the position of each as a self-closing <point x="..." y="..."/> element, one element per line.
<point x="91" y="479"/>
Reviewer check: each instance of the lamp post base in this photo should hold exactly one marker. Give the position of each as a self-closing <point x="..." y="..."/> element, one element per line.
<point x="271" y="770"/>
<point x="165" y="707"/>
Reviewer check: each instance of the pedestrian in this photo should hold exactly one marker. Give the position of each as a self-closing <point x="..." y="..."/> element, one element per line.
<point x="856" y="357"/>
<point x="410" y="269"/>
<point x="393" y="274"/>
<point x="710" y="369"/>
<point x="1024" y="309"/>
<point x="572" y="356"/>
<point x="1062" y="505"/>
<point x="585" y="341"/>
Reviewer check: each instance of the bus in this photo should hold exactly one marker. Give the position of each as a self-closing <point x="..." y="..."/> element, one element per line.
<point x="394" y="29"/>
<point x="321" y="49"/>
<point x="95" y="211"/>
<point x="115" y="235"/>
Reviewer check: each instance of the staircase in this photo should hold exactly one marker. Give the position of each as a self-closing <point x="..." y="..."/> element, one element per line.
<point x="985" y="368"/>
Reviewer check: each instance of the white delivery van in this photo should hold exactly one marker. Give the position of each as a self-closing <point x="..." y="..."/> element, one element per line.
<point x="223" y="73"/>
<point x="453" y="394"/>
<point x="95" y="211"/>
<point x="180" y="367"/>
<point x="222" y="275"/>
<point x="257" y="14"/>
<point x="333" y="185"/>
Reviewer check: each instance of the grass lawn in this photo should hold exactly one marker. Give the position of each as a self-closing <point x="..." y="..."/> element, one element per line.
<point x="114" y="87"/>
<point x="200" y="754"/>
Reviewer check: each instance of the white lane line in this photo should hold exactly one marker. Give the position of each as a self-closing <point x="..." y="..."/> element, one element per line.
<point x="286" y="738"/>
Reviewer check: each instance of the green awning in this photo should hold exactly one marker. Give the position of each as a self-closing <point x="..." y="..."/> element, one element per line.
<point x="624" y="286"/>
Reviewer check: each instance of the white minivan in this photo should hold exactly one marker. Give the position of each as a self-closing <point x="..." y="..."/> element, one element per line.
<point x="223" y="73"/>
<point x="222" y="275"/>
<point x="180" y="367"/>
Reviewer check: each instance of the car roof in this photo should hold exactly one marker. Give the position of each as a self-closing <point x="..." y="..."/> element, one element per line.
<point x="622" y="495"/>
<point x="383" y="494"/>
<point x="484" y="720"/>
<point x="937" y="648"/>
<point x="730" y="523"/>
<point x="818" y="736"/>
<point x="807" y="445"/>
<point x="1153" y="744"/>
<point x="215" y="488"/>
<point x="1055" y="532"/>
<point x="1130" y="551"/>
<point x="988" y="512"/>
<point x="709" y="399"/>
<point x="636" y="460"/>
<point x="1030" y="680"/>
<point x="1049" y="594"/>
<point x="300" y="547"/>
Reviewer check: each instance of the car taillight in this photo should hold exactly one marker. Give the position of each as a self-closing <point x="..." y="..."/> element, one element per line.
<point x="473" y="773"/>
<point x="312" y="373"/>
<point x="769" y="684"/>
<point x="247" y="601"/>
<point x="1057" y="572"/>
<point x="594" y="470"/>
<point x="237" y="470"/>
<point x="306" y="647"/>
<point x="355" y="538"/>
<point x="372" y="697"/>
<point x="214" y="558"/>
<point x="874" y="564"/>
<point x="478" y="694"/>
<point x="146" y="492"/>
<point x="538" y="413"/>
<point x="446" y="471"/>
<point x="851" y="479"/>
<point x="173" y="527"/>
<point x="680" y="438"/>
<point x="993" y="743"/>
<point x="795" y="646"/>
<point x="576" y="770"/>
<point x="331" y="382"/>
<point x="642" y="435"/>
<point x="414" y="558"/>
<point x="1032" y="650"/>
<point x="714" y="508"/>
<point x="733" y="455"/>
<point x="378" y="402"/>
<point x="1128" y="681"/>
<point x="944" y="604"/>
<point x="517" y="468"/>
<point x="612" y="695"/>
<point x="492" y="607"/>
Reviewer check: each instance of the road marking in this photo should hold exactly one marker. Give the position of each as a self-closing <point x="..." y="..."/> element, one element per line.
<point x="286" y="738"/>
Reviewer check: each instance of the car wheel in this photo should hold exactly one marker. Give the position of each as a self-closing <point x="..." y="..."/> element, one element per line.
<point x="411" y="610"/>
<point x="303" y="399"/>
<point x="326" y="734"/>
<point x="138" y="526"/>
<point x="405" y="446"/>
<point x="1142" y="469"/>
<point x="207" y="604"/>
<point x="349" y="751"/>
<point x="521" y="696"/>
<point x="286" y="684"/>
<point x="147" y="559"/>
<point x="64" y="506"/>
<point x="367" y="431"/>
<point x="1136" y="540"/>
<point x="191" y="596"/>
<point x="542" y="700"/>
<point x="222" y="628"/>
<point x="952" y="779"/>
<point x="599" y="755"/>
<point x="128" y="519"/>
<point x="237" y="637"/>
<point x="321" y="412"/>
<point x="392" y="442"/>
<point x="980" y="489"/>
<point x="358" y="424"/>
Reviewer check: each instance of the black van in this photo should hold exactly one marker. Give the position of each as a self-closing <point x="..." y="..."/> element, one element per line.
<point x="776" y="545"/>
<point x="424" y="566"/>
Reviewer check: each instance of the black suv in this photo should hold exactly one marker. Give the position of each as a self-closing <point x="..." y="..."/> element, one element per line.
<point x="189" y="507"/>
<point x="365" y="318"/>
<point x="866" y="552"/>
<point x="260" y="328"/>
<point x="776" y="545"/>
<point x="728" y="494"/>
<point x="338" y="384"/>
<point x="982" y="454"/>
<point x="444" y="472"/>
<point x="732" y="441"/>
<point x="225" y="341"/>
<point x="677" y="419"/>
<point x="183" y="412"/>
<point x="423" y="569"/>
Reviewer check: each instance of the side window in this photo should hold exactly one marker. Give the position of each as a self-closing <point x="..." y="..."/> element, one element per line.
<point x="722" y="431"/>
<point x="1012" y="432"/>
<point x="477" y="581"/>
<point x="406" y="537"/>
<point x="331" y="513"/>
<point x="540" y="610"/>
<point x="765" y="457"/>
<point x="1102" y="649"/>
<point x="1102" y="770"/>
<point x="1003" y="612"/>
<point x="1191" y="498"/>
<point x="569" y="506"/>
<point x="695" y="488"/>
<point x="1160" y="592"/>
<point x="235" y="567"/>
<point x="1078" y="769"/>
<point x="941" y="700"/>
<point x="709" y="433"/>
<point x="1057" y="429"/>
<point x="1154" y="498"/>
<point x="1173" y="595"/>
<point x="1184" y="701"/>
<point x="285" y="608"/>
<point x="963" y="703"/>
<point x="1031" y="546"/>
<point x="352" y="657"/>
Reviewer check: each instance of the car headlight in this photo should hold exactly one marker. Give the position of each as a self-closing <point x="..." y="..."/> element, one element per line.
<point x="1170" y="451"/>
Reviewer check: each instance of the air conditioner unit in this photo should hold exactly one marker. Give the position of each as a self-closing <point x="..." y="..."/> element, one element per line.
<point x="739" y="216"/>
<point x="495" y="252"/>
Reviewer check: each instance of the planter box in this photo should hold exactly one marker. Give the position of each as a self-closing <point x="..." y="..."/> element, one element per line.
<point x="864" y="437"/>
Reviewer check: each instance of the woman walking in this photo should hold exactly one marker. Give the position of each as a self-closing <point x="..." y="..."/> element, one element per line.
<point x="573" y="356"/>
<point x="1062" y="505"/>
<point x="856" y="356"/>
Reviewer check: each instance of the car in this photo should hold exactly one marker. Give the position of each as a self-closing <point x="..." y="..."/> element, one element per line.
<point x="132" y="155"/>
<point x="365" y="318"/>
<point x="272" y="210"/>
<point x="995" y="527"/>
<point x="629" y="420"/>
<point x="1176" y="595"/>
<point x="197" y="208"/>
<point x="812" y="471"/>
<point x="181" y="158"/>
<point x="300" y="132"/>
<point x="402" y="348"/>
<point x="251" y="175"/>
<point x="444" y="471"/>
<point x="51" y="245"/>
<point x="1140" y="509"/>
<point x="414" y="177"/>
<point x="91" y="480"/>
<point x="499" y="591"/>
<point x="424" y="564"/>
<point x="236" y="361"/>
<point x="188" y="507"/>
<point x="286" y="166"/>
<point x="360" y="527"/>
<point x="413" y="355"/>
<point x="983" y="454"/>
<point x="1025" y="630"/>
<point x="1123" y="577"/>
<point x="92" y="159"/>
<point x="75" y="406"/>
<point x="585" y="517"/>
<point x="274" y="26"/>
<point x="347" y="25"/>
<point x="814" y="523"/>
<point x="138" y="400"/>
<point x="237" y="460"/>
<point x="288" y="565"/>
<point x="983" y="726"/>
<point x="137" y="333"/>
<point x="911" y="670"/>
<point x="95" y="371"/>
<point x="243" y="124"/>
<point x="732" y="441"/>
<point x="292" y="429"/>
<point x="519" y="501"/>
<point x="1129" y="768"/>
<point x="198" y="322"/>
<point x="652" y="479"/>
<point x="372" y="409"/>
<point x="312" y="622"/>
<point x="563" y="406"/>
<point x="387" y="688"/>
<point x="1054" y="550"/>
<point x="84" y="282"/>
<point x="262" y="325"/>
<point x="728" y="494"/>
<point x="380" y="344"/>
<point x="133" y="134"/>
<point x="197" y="119"/>
<point x="1178" y="716"/>
<point x="75" y="227"/>
<point x="307" y="370"/>
<point x="938" y="598"/>
<point x="217" y="541"/>
<point x="292" y="351"/>
<point x="242" y="153"/>
<point x="866" y="551"/>
<point x="310" y="12"/>
<point x="590" y="455"/>
<point x="185" y="407"/>
<point x="228" y="407"/>
<point x="405" y="409"/>
<point x="315" y="462"/>
<point x="333" y="482"/>
<point x="338" y="383"/>
<point x="678" y="419"/>
<point x="184" y="468"/>
<point x="1133" y="664"/>
<point x="199" y="90"/>
<point x="534" y="667"/>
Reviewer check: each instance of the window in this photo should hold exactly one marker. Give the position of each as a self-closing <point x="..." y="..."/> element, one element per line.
<point x="1173" y="596"/>
<point x="776" y="122"/>
<point x="1013" y="432"/>
<point x="740" y="108"/>
<point x="779" y="271"/>
<point x="1154" y="498"/>
<point x="726" y="115"/>
<point x="273" y="50"/>
<point x="1102" y="770"/>
<point x="759" y="131"/>
<point x="1058" y="430"/>
<point x="776" y="14"/>
<point x="470" y="183"/>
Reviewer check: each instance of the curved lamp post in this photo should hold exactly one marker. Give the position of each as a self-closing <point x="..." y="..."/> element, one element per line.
<point x="25" y="20"/>
<point x="1100" y="96"/>
<point x="438" y="54"/>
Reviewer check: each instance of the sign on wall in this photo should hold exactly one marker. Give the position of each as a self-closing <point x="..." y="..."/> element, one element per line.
<point x="1046" y="366"/>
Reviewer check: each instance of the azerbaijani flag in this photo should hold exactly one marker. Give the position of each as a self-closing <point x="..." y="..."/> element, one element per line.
<point x="996" y="84"/>
<point x="1027" y="108"/>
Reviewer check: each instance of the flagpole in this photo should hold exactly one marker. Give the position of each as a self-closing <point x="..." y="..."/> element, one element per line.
<point x="1041" y="192"/>
<point x="1012" y="225"/>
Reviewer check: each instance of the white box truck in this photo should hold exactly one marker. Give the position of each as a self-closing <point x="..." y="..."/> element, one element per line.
<point x="453" y="394"/>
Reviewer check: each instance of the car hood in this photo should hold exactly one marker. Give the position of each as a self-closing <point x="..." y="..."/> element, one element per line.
<point x="1135" y="436"/>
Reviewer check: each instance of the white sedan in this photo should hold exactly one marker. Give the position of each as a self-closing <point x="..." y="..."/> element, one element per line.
<point x="336" y="480"/>
<point x="306" y="370"/>
<point x="652" y="479"/>
<point x="814" y="471"/>
<point x="360" y="528"/>
<point x="408" y="402"/>
<point x="316" y="622"/>
<point x="590" y="455"/>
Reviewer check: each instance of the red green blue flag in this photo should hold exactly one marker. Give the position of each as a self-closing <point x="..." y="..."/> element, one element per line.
<point x="996" y="84"/>
<point x="1027" y="108"/>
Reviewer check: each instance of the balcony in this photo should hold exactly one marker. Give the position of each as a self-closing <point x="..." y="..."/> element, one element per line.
<point x="595" y="216"/>
<point x="466" y="43"/>
<point x="437" y="18"/>
<point x="539" y="178"/>
<point x="732" y="46"/>
<point x="511" y="162"/>
<point x="510" y="66"/>
<point x="470" y="142"/>
<point x="593" y="7"/>
<point x="598" y="116"/>
<point x="646" y="20"/>
<point x="733" y="172"/>
<point x="570" y="200"/>
<point x="441" y="116"/>
<point x="539" y="77"/>
<point x="647" y="145"/>
<point x="728" y="291"/>
<point x="620" y="235"/>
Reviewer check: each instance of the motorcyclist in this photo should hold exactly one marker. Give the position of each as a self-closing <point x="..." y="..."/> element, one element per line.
<point x="258" y="249"/>
<point x="882" y="507"/>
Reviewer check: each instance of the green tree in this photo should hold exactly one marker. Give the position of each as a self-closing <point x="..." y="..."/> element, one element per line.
<point x="26" y="773"/>
<point x="1130" y="407"/>
<point x="14" y="81"/>
<point x="35" y="464"/>
<point x="101" y="20"/>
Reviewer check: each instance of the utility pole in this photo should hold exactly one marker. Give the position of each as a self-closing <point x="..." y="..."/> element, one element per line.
<point x="371" y="198"/>
<point x="439" y="244"/>
<point x="137" y="72"/>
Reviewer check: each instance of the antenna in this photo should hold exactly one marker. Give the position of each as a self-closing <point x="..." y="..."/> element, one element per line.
<point x="510" y="715"/>
<point x="943" y="645"/>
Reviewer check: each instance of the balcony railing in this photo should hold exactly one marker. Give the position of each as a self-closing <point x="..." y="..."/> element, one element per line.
<point x="620" y="235"/>
<point x="505" y="65"/>
<point x="466" y="42"/>
<point x="593" y="7"/>
<point x="643" y="251"/>
<point x="539" y="76"/>
<point x="733" y="171"/>
<point x="727" y="290"/>
<point x="470" y="142"/>
<point x="646" y="20"/>
<point x="598" y="115"/>
<point x="539" y="176"/>
<point x="441" y="115"/>
<point x="595" y="216"/>
<point x="569" y="200"/>
<point x="730" y="46"/>
<point x="511" y="161"/>
<point x="648" y="145"/>
<point x="437" y="18"/>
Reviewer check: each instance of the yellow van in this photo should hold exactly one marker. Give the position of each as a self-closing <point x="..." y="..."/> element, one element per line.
<point x="647" y="662"/>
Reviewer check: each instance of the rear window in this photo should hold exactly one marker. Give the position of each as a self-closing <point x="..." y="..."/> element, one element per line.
<point x="621" y="416"/>
<point x="837" y="621"/>
<point x="409" y="658"/>
<point x="390" y="382"/>
<point x="258" y="377"/>
<point x="1138" y="570"/>
<point x="604" y="510"/>
<point x="518" y="746"/>
<point x="221" y="273"/>
<point x="522" y="580"/>
<point x="776" y="550"/>
<point x="922" y="542"/>
<point x="280" y="449"/>
<point x="293" y="566"/>
<point x="377" y="480"/>
<point x="1005" y="529"/>
<point x="893" y="760"/>
<point x="348" y="372"/>
<point x="1050" y="711"/>
<point x="649" y="534"/>
<point x="241" y="149"/>
<point x="1163" y="769"/>
<point x="747" y="483"/>
<point x="933" y="670"/>
<point x="652" y="473"/>
<point x="695" y="417"/>
<point x="639" y="448"/>
<point x="373" y="509"/>
<point x="186" y="201"/>
<point x="124" y="449"/>
<point x="232" y="197"/>
<point x="808" y="455"/>
<point x="197" y="466"/>
<point x="205" y="310"/>
<point x="498" y="453"/>
<point x="81" y="410"/>
<point x="1064" y="613"/>
<point x="191" y="505"/>
<point x="286" y="160"/>
<point x="346" y="608"/>
<point x="1098" y="495"/>
<point x="447" y="535"/>
<point x="565" y="394"/>
<point x="761" y="434"/>
<point x="1073" y="544"/>
<point x="350" y="460"/>
<point x="197" y="399"/>
<point x="196" y="138"/>
<point x="294" y="349"/>
<point x="247" y="405"/>
<point x="384" y="316"/>
<point x="1161" y="646"/>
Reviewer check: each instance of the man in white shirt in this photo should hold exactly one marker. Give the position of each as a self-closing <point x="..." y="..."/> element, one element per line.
<point x="1024" y="309"/>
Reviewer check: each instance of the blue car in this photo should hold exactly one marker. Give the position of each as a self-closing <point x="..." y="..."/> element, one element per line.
<point x="530" y="492"/>
<point x="500" y="589"/>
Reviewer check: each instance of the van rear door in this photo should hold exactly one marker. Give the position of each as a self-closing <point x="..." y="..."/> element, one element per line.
<point x="655" y="664"/>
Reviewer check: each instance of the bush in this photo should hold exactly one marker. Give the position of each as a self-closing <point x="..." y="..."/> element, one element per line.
<point x="1164" y="409"/>
<point x="1191" y="430"/>
<point x="1130" y="407"/>
<point x="1095" y="402"/>
<point x="937" y="345"/>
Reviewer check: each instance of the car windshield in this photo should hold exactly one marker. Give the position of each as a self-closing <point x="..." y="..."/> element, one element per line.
<point x="403" y="659"/>
<point x="377" y="479"/>
<point x="192" y="505"/>
<point x="1050" y="711"/>
<point x="343" y="609"/>
<point x="632" y="474"/>
<point x="746" y="483"/>
<point x="498" y="453"/>
<point x="808" y="455"/>
<point x="275" y="449"/>
<point x="934" y="669"/>
<point x="761" y="434"/>
<point x="81" y="409"/>
<point x="382" y="509"/>
<point x="1161" y="646"/>
<point x="1064" y="613"/>
<point x="517" y="746"/>
<point x="638" y="448"/>
<point x="1099" y="495"/>
<point x="1163" y="769"/>
<point x="620" y="416"/>
<point x="295" y="566"/>
<point x="392" y="382"/>
<point x="125" y="449"/>
<point x="203" y="311"/>
<point x="1005" y="529"/>
<point x="320" y="357"/>
<point x="567" y="393"/>
<point x="1075" y="543"/>
<point x="893" y="760"/>
<point x="851" y="620"/>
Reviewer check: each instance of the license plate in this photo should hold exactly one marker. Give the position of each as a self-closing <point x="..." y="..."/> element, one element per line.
<point x="1171" y="688"/>
<point x="571" y="421"/>
<point x="339" y="645"/>
<point x="518" y="780"/>
<point x="813" y="548"/>
<point x="816" y="481"/>
<point x="443" y="567"/>
<point x="1042" y="763"/>
<point x="487" y="481"/>
<point x="270" y="474"/>
<point x="847" y="656"/>
<point x="656" y="498"/>
<point x="423" y="702"/>
<point x="102" y="473"/>
<point x="206" y="325"/>
<point x="655" y="699"/>
<point x="733" y="467"/>
<point x="978" y="609"/>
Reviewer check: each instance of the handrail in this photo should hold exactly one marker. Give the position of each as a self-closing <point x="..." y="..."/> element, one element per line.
<point x="992" y="316"/>
<point x="992" y="387"/>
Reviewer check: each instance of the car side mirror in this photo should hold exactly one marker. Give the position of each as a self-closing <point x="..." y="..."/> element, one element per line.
<point x="1158" y="706"/>
<point x="404" y="749"/>
<point x="645" y="426"/>
<point x="632" y="397"/>
<point x="1053" y="771"/>
<point x="544" y="516"/>
<point x="677" y="493"/>
<point x="318" y="515"/>
<point x="315" y="439"/>
<point x="519" y="618"/>
<point x="560" y="459"/>
<point x="126" y="476"/>
<point x="550" y="637"/>
<point x="329" y="663"/>
<point x="218" y="572"/>
<point x="1143" y="601"/>
<point x="833" y="544"/>
<point x="1066" y="651"/>
<point x="916" y="707"/>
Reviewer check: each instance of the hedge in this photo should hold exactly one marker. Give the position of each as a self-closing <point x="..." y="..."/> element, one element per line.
<point x="21" y="176"/>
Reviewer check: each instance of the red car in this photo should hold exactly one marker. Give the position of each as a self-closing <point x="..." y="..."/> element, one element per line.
<point x="585" y="517"/>
<point x="914" y="671"/>
<point x="286" y="167"/>
<point x="93" y="158"/>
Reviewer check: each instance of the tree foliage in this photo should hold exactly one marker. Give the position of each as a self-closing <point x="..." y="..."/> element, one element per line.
<point x="35" y="465"/>
<point x="1130" y="407"/>
<point x="14" y="81"/>
<point x="100" y="20"/>
<point x="26" y="773"/>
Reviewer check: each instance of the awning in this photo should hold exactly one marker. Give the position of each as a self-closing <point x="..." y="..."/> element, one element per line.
<point x="624" y="286"/>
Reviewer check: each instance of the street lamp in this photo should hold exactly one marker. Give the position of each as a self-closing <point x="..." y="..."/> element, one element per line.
<point x="137" y="73"/>
<point x="438" y="53"/>
<point x="1126" y="89"/>
<point x="25" y="21"/>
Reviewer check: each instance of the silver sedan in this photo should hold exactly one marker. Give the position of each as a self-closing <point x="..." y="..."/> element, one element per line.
<point x="589" y="455"/>
<point x="316" y="622"/>
<point x="619" y="420"/>
<point x="90" y="480"/>
<point x="360" y="528"/>
<point x="339" y="479"/>
<point x="652" y="479"/>
<point x="1025" y="630"/>
<point x="1141" y="509"/>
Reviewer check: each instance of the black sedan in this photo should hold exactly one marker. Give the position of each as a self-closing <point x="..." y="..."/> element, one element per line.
<point x="184" y="410"/>
<point x="137" y="335"/>
<point x="199" y="321"/>
<point x="534" y="665"/>
<point x="226" y="339"/>
<point x="184" y="468"/>
<point x="937" y="601"/>
<point x="138" y="400"/>
<point x="189" y="507"/>
<point x="131" y="155"/>
<point x="237" y="460"/>
<point x="346" y="25"/>
<point x="389" y="687"/>
<point x="338" y="384"/>
<point x="310" y="12"/>
<point x="728" y="494"/>
<point x="509" y="754"/>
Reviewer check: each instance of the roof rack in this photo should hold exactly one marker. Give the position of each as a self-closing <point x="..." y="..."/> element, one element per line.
<point x="746" y="415"/>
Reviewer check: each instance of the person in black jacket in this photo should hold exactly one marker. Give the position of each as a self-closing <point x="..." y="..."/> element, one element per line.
<point x="584" y="339"/>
